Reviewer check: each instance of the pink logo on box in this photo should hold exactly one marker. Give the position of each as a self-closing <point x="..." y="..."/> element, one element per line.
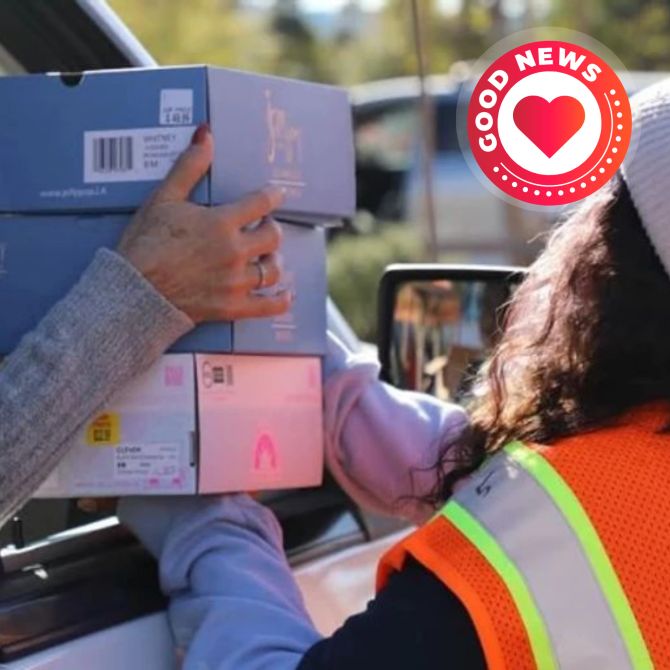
<point x="283" y="138"/>
<point x="265" y="454"/>
<point x="174" y="376"/>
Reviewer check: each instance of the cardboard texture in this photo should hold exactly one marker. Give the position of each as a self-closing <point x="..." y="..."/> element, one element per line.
<point x="260" y="422"/>
<point x="257" y="424"/>
<point x="144" y="442"/>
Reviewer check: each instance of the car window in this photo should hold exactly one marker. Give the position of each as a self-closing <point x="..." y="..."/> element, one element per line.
<point x="39" y="519"/>
<point x="387" y="138"/>
<point x="446" y="137"/>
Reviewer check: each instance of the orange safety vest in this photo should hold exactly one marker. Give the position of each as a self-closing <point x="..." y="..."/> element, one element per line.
<point x="561" y="554"/>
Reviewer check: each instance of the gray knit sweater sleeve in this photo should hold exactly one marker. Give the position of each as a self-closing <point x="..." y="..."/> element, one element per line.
<point x="111" y="326"/>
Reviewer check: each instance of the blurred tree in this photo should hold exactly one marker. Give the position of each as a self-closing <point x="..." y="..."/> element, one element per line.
<point x="355" y="265"/>
<point x="463" y="34"/>
<point x="365" y="46"/>
<point x="201" y="31"/>
<point x="228" y="33"/>
<point x="382" y="46"/>
<point x="300" y="54"/>
<point x="635" y="30"/>
<point x="349" y="22"/>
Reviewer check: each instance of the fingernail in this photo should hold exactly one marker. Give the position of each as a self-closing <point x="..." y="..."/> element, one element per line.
<point x="201" y="133"/>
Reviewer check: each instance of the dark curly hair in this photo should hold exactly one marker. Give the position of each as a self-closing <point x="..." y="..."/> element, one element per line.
<point x="583" y="339"/>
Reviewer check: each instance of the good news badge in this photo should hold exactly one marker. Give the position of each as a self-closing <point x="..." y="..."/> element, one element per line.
<point x="549" y="123"/>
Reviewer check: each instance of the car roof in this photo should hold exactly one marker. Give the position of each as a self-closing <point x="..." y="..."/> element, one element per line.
<point x="406" y="89"/>
<point x="402" y="88"/>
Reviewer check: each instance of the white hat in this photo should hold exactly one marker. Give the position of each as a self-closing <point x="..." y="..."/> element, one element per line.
<point x="646" y="167"/>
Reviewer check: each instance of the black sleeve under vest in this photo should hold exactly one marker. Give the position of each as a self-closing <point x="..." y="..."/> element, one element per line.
<point x="415" y="623"/>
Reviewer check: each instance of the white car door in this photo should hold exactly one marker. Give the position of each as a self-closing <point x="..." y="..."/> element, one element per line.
<point x="334" y="588"/>
<point x="89" y="597"/>
<point x="145" y="643"/>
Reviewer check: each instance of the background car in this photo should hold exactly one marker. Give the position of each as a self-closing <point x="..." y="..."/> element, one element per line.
<point x="471" y="222"/>
<point x="473" y="225"/>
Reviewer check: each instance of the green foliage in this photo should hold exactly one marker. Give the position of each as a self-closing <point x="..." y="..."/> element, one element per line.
<point x="355" y="266"/>
<point x="387" y="49"/>
<point x="219" y="32"/>
<point x="365" y="47"/>
<point x="635" y="30"/>
<point x="300" y="54"/>
<point x="280" y="41"/>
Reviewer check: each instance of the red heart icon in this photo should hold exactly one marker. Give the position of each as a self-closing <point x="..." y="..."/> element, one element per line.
<point x="549" y="125"/>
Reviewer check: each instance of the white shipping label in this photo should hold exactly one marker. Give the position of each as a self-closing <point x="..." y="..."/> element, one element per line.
<point x="137" y="154"/>
<point x="176" y="106"/>
<point x="152" y="463"/>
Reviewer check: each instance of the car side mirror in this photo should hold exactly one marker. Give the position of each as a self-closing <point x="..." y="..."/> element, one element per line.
<point x="438" y="323"/>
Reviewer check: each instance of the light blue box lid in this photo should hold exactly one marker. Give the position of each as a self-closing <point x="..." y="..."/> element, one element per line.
<point x="101" y="142"/>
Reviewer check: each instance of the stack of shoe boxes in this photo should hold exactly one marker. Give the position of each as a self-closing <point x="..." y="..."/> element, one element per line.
<point x="232" y="406"/>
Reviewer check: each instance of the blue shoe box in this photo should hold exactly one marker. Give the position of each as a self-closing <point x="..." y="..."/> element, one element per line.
<point x="303" y="328"/>
<point x="100" y="142"/>
<point x="78" y="154"/>
<point x="42" y="257"/>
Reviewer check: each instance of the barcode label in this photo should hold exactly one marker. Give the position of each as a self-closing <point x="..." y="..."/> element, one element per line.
<point x="223" y="375"/>
<point x="214" y="376"/>
<point x="137" y="154"/>
<point x="151" y="464"/>
<point x="112" y="154"/>
<point x="176" y="106"/>
<point x="104" y="430"/>
<point x="102" y="435"/>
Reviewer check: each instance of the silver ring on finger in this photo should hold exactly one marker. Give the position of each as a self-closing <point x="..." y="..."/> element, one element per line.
<point x="262" y="274"/>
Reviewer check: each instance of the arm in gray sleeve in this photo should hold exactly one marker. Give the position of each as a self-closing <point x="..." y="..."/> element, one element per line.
<point x="109" y="328"/>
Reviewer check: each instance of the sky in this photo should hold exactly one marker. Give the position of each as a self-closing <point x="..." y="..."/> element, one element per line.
<point x="335" y="5"/>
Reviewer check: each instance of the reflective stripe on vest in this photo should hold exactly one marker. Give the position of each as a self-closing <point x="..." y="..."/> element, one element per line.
<point x="553" y="563"/>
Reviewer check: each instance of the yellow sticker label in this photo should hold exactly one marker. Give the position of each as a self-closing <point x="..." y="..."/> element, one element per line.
<point x="104" y="431"/>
